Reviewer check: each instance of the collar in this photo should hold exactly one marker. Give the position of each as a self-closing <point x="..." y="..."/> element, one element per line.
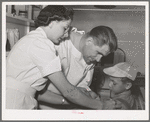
<point x="78" y="55"/>
<point x="42" y="31"/>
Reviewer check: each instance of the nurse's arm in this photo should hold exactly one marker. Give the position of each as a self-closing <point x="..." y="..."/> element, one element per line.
<point x="72" y="93"/>
<point x="52" y="98"/>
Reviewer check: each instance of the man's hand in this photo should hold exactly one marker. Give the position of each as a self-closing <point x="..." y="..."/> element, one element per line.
<point x="94" y="95"/>
<point x="111" y="104"/>
<point x="89" y="93"/>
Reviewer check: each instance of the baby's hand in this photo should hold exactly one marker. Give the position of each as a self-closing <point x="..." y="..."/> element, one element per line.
<point x="111" y="104"/>
<point x="98" y="98"/>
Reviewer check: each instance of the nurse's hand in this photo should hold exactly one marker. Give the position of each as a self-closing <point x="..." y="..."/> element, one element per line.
<point x="111" y="104"/>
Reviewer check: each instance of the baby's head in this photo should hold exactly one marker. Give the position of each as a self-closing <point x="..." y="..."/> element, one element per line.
<point x="121" y="77"/>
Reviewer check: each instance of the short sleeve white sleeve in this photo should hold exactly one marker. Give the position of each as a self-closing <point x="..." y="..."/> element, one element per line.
<point x="44" y="57"/>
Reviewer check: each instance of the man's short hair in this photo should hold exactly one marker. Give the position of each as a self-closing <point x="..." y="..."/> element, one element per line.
<point x="104" y="35"/>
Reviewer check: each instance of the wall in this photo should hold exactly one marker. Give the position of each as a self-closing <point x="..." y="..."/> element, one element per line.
<point x="129" y="27"/>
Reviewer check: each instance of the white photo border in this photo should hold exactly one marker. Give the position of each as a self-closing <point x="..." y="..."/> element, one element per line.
<point x="77" y="114"/>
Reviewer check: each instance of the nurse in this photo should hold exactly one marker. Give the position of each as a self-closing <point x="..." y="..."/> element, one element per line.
<point x="33" y="59"/>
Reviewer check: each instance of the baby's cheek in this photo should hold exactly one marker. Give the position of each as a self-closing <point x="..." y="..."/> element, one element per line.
<point x="110" y="85"/>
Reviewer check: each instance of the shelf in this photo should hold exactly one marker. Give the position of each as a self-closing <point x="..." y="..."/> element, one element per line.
<point x="7" y="53"/>
<point x="109" y="10"/>
<point x="19" y="20"/>
<point x="37" y="7"/>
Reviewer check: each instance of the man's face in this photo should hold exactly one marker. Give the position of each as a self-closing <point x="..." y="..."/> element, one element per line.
<point x="93" y="53"/>
<point x="116" y="85"/>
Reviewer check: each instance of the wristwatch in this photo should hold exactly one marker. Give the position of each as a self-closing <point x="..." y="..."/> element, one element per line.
<point x="63" y="101"/>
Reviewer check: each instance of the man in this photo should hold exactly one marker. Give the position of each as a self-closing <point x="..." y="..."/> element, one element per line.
<point x="80" y="52"/>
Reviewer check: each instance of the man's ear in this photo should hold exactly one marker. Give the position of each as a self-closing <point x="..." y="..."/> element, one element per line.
<point x="89" y="40"/>
<point x="128" y="86"/>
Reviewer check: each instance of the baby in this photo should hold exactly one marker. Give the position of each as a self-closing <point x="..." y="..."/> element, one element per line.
<point x="122" y="76"/>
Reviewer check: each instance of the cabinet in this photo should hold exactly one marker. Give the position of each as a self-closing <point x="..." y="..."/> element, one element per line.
<point x="16" y="21"/>
<point x="24" y="24"/>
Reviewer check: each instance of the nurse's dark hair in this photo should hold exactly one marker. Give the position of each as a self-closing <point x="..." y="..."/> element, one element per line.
<point x="52" y="13"/>
<point x="104" y="35"/>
